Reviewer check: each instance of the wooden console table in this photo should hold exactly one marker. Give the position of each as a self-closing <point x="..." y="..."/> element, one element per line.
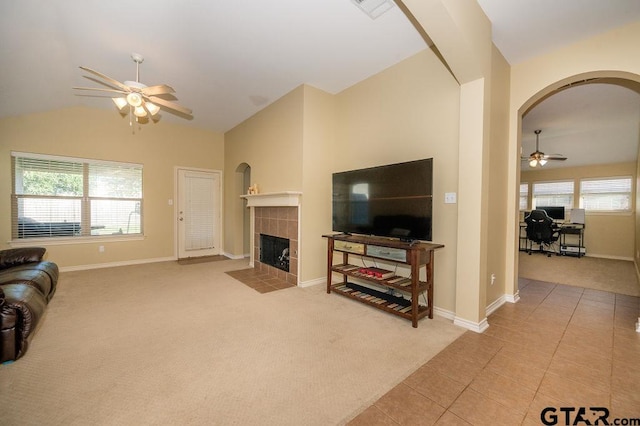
<point x="416" y="254"/>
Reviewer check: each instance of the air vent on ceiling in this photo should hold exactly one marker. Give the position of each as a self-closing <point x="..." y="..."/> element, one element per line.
<point x="374" y="8"/>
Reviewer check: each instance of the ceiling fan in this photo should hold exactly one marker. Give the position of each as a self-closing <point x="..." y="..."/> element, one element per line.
<point x="141" y="99"/>
<point x="539" y="158"/>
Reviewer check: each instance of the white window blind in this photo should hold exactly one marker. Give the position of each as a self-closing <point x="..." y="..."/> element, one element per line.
<point x="606" y="195"/>
<point x="524" y="196"/>
<point x="553" y="194"/>
<point x="199" y="222"/>
<point x="72" y="197"/>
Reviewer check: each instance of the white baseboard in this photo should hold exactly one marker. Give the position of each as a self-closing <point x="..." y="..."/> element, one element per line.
<point x="495" y="305"/>
<point x="310" y="283"/>
<point x="505" y="298"/>
<point x="478" y="327"/>
<point x="444" y="313"/>
<point x="638" y="326"/>
<point x="512" y="298"/>
<point x="114" y="264"/>
<point x="235" y="256"/>
<point x="606" y="256"/>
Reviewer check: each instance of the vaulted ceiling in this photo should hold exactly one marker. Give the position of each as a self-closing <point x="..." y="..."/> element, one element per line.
<point x="227" y="59"/>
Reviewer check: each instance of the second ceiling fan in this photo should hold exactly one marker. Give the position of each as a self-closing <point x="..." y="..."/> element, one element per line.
<point x="539" y="158"/>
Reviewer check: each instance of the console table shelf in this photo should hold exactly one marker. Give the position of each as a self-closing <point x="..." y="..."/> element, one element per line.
<point x="402" y="284"/>
<point x="402" y="310"/>
<point x="415" y="254"/>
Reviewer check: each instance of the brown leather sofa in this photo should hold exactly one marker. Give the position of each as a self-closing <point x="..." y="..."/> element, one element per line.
<point x="27" y="284"/>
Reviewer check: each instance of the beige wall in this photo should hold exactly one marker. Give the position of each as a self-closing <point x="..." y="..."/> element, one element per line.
<point x="636" y="252"/>
<point x="105" y="135"/>
<point x="498" y="209"/>
<point x="612" y="54"/>
<point x="318" y="154"/>
<point x="407" y="112"/>
<point x="606" y="235"/>
<point x="270" y="142"/>
<point x="462" y="34"/>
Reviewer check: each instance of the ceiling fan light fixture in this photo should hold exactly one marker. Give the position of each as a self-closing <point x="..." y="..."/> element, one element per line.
<point x="134" y="99"/>
<point x="542" y="162"/>
<point x="120" y="102"/>
<point x="152" y="108"/>
<point x="533" y="162"/>
<point x="139" y="111"/>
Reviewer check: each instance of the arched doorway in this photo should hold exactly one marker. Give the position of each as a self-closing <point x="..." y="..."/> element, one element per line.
<point x="243" y="179"/>
<point x="621" y="79"/>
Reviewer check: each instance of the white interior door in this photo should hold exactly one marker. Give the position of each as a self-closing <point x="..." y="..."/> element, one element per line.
<point x="198" y="213"/>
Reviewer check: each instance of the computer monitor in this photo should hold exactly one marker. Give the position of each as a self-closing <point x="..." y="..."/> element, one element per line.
<point x="555" y="213"/>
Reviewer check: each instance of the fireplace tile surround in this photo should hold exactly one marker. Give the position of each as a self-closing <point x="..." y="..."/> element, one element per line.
<point x="278" y="221"/>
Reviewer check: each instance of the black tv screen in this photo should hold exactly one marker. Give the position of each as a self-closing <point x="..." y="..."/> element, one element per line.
<point x="394" y="200"/>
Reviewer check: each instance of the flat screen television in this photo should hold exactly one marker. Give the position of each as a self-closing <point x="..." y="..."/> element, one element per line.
<point x="394" y="200"/>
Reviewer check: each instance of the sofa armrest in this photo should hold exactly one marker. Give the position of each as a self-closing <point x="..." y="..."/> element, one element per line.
<point x="19" y="317"/>
<point x="18" y="256"/>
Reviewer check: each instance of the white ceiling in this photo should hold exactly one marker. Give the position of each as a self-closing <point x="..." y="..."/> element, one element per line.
<point x="523" y="29"/>
<point x="227" y="59"/>
<point x="589" y="124"/>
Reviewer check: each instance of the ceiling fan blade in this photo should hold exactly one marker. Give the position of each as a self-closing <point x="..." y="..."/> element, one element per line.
<point x="100" y="90"/>
<point x="170" y="105"/>
<point x="161" y="89"/>
<point x="107" y="78"/>
<point x="559" y="157"/>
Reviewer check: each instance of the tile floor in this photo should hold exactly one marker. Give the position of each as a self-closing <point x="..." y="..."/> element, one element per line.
<point x="259" y="281"/>
<point x="559" y="346"/>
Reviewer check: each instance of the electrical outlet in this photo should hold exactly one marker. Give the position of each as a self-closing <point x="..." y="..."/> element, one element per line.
<point x="493" y="279"/>
<point x="101" y="249"/>
<point x="450" y="198"/>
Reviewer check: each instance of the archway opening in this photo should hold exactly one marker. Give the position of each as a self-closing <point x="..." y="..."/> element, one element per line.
<point x="559" y="134"/>
<point x="243" y="179"/>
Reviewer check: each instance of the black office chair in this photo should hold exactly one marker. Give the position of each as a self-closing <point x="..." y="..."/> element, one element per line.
<point x="543" y="231"/>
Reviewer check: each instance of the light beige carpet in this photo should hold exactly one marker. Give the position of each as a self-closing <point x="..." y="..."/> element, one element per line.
<point x="164" y="344"/>
<point x="616" y="276"/>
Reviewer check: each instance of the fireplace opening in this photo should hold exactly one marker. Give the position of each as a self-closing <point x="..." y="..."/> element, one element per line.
<point x="274" y="251"/>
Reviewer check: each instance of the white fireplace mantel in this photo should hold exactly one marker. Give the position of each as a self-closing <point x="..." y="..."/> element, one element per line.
<point x="273" y="199"/>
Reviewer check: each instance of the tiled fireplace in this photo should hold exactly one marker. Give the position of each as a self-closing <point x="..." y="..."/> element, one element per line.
<point x="276" y="215"/>
<point x="281" y="222"/>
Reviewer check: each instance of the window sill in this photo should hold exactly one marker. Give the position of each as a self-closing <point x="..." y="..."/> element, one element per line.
<point x="27" y="242"/>
<point x="607" y="213"/>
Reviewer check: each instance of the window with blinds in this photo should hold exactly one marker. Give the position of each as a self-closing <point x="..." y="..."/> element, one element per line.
<point x="606" y="195"/>
<point x="57" y="197"/>
<point x="553" y="194"/>
<point x="524" y="196"/>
